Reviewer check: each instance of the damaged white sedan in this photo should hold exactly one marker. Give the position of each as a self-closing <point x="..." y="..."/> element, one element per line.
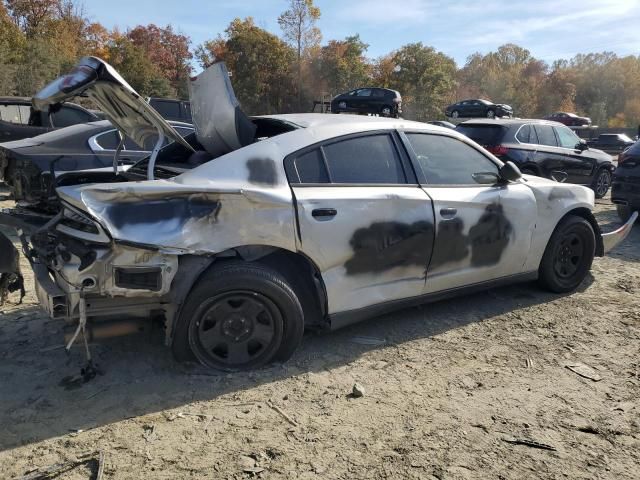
<point x="290" y="222"/>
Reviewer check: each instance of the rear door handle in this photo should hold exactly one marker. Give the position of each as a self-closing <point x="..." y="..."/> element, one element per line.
<point x="324" y="212"/>
<point x="448" y="212"/>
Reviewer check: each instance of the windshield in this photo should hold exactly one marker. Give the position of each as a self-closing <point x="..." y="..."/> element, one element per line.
<point x="486" y="135"/>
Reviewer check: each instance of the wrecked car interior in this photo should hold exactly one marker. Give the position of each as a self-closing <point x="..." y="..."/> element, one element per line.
<point x="243" y="234"/>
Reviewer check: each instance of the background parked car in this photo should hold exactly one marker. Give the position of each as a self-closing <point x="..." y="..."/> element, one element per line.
<point x="383" y="101"/>
<point x="26" y="165"/>
<point x="18" y="119"/>
<point x="478" y="108"/>
<point x="543" y="148"/>
<point x="170" y="109"/>
<point x="625" y="188"/>
<point x="569" y="119"/>
<point x="613" y="143"/>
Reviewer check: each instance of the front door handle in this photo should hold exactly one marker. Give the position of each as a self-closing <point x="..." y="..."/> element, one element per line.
<point x="324" y="212"/>
<point x="448" y="212"/>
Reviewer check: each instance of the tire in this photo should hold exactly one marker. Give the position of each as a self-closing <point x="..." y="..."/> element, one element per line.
<point x="624" y="212"/>
<point x="455" y="114"/>
<point x="568" y="256"/>
<point x="252" y="315"/>
<point x="491" y="114"/>
<point x="602" y="182"/>
<point x="386" y="111"/>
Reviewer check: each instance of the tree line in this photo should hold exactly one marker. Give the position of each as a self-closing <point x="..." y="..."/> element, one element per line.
<point x="40" y="39"/>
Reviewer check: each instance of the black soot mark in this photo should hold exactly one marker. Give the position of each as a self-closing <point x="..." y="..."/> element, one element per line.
<point x="451" y="243"/>
<point x="558" y="193"/>
<point x="490" y="236"/>
<point x="385" y="245"/>
<point x="172" y="212"/>
<point x="262" y="171"/>
<point x="487" y="239"/>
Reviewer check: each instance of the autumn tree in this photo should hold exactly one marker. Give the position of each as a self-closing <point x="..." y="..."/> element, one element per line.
<point x="342" y="64"/>
<point x="298" y="25"/>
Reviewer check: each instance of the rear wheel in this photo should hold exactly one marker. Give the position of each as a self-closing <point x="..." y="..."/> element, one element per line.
<point x="602" y="182"/>
<point x="239" y="316"/>
<point x="568" y="256"/>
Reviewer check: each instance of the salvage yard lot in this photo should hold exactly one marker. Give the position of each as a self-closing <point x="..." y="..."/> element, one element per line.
<point x="446" y="385"/>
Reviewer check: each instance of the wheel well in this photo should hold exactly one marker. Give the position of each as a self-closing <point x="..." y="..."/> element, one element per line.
<point x="588" y="216"/>
<point x="301" y="273"/>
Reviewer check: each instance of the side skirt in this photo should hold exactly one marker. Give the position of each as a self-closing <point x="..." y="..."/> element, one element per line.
<point x="342" y="319"/>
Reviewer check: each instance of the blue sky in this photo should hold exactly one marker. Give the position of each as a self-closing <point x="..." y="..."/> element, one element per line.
<point x="550" y="29"/>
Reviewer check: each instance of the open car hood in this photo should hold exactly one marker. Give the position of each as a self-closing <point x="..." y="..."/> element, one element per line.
<point x="121" y="104"/>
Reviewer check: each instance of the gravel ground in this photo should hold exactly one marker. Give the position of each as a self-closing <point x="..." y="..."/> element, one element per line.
<point x="447" y="389"/>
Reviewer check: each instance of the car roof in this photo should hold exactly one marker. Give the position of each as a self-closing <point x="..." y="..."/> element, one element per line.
<point x="510" y="121"/>
<point x="313" y="121"/>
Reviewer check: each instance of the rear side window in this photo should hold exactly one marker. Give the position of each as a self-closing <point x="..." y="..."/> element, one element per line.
<point x="485" y="135"/>
<point x="527" y="134"/>
<point x="546" y="135"/>
<point x="372" y="159"/>
<point x="369" y="159"/>
<point x="449" y="161"/>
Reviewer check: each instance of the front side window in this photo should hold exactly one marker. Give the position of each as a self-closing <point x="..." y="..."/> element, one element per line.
<point x="566" y="137"/>
<point x="371" y="159"/>
<point x="545" y="135"/>
<point x="449" y="161"/>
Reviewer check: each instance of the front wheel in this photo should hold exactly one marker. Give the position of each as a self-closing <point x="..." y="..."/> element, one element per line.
<point x="455" y="114"/>
<point x="568" y="256"/>
<point x="386" y="111"/>
<point x="602" y="183"/>
<point x="239" y="316"/>
<point x="491" y="114"/>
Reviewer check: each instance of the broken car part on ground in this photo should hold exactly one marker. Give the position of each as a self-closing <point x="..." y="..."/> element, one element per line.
<point x="239" y="244"/>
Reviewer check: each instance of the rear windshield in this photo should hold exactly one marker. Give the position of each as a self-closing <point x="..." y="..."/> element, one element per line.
<point x="486" y="135"/>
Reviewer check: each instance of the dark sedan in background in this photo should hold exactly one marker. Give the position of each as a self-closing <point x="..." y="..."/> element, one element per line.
<point x="382" y="101"/>
<point x="569" y="119"/>
<point x="543" y="148"/>
<point x="27" y="165"/>
<point x="476" y="108"/>
<point x="18" y="120"/>
<point x="612" y="143"/>
<point x="625" y="189"/>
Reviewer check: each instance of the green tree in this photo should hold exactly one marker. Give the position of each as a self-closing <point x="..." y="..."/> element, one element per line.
<point x="342" y="65"/>
<point x="298" y="25"/>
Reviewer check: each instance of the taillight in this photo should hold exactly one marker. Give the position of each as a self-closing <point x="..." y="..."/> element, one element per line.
<point x="498" y="149"/>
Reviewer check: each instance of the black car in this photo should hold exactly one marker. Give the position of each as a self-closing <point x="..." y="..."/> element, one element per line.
<point x="625" y="189"/>
<point x="27" y="165"/>
<point x="478" y="108"/>
<point x="170" y="109"/>
<point x="612" y="143"/>
<point x="19" y="120"/>
<point x="383" y="101"/>
<point x="543" y="148"/>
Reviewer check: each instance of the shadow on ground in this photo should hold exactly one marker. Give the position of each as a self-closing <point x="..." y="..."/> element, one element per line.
<point x="140" y="376"/>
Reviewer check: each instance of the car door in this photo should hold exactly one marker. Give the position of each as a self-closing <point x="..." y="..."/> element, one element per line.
<point x="362" y="218"/>
<point x="362" y="99"/>
<point x="578" y="164"/>
<point x="548" y="155"/>
<point x="483" y="226"/>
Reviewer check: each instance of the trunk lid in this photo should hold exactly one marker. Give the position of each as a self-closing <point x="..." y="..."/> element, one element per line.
<point x="121" y="104"/>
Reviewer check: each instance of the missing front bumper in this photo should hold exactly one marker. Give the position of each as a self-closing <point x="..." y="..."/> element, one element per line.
<point x="611" y="239"/>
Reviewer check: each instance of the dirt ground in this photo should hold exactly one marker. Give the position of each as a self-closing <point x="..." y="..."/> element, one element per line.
<point x="446" y="387"/>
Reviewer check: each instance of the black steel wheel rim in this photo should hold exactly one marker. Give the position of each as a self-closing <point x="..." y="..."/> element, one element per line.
<point x="569" y="255"/>
<point x="602" y="183"/>
<point x="236" y="329"/>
